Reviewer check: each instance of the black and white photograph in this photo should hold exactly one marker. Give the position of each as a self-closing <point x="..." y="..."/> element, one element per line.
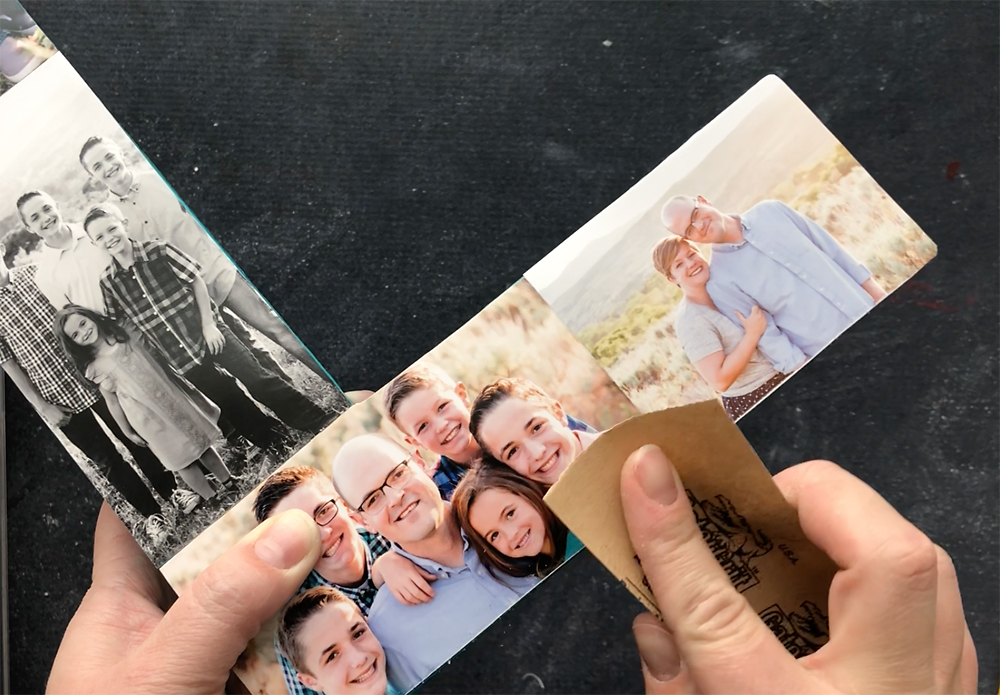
<point x="169" y="379"/>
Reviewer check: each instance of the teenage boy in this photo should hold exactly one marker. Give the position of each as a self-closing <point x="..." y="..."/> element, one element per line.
<point x="157" y="287"/>
<point x="353" y="560"/>
<point x="328" y="640"/>
<point x="156" y="214"/>
<point x="31" y="356"/>
<point x="69" y="265"/>
<point x="432" y="411"/>
<point x="388" y="491"/>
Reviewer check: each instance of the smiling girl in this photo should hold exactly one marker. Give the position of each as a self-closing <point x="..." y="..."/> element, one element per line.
<point x="173" y="419"/>
<point x="523" y="427"/>
<point x="504" y="518"/>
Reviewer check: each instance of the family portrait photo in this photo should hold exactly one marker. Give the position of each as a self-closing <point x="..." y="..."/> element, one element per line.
<point x="735" y="261"/>
<point x="170" y="381"/>
<point x="428" y="498"/>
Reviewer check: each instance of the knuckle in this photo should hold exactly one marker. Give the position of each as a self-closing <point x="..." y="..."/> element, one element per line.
<point x="912" y="557"/>
<point x="716" y="615"/>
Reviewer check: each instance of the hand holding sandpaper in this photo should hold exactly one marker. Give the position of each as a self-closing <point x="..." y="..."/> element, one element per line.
<point x="898" y="624"/>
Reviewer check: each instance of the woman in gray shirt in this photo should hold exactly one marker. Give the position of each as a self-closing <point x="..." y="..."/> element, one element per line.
<point x="725" y="354"/>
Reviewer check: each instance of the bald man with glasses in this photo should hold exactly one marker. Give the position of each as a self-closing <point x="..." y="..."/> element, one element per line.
<point x="389" y="492"/>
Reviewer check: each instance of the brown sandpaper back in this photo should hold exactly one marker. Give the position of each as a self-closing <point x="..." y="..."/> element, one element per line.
<point x="753" y="532"/>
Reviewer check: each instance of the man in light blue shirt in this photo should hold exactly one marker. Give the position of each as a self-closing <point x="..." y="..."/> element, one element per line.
<point x="775" y="258"/>
<point x="387" y="490"/>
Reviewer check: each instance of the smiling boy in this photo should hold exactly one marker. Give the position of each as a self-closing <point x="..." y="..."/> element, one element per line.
<point x="327" y="639"/>
<point x="520" y="425"/>
<point x="70" y="266"/>
<point x="157" y="287"/>
<point x="156" y="214"/>
<point x="432" y="411"/>
<point x="389" y="492"/>
<point x="349" y="554"/>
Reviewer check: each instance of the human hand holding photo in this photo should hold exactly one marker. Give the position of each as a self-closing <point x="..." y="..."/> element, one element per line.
<point x="131" y="634"/>
<point x="896" y="619"/>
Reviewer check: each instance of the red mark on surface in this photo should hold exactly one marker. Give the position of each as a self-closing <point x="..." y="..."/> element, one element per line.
<point x="951" y="171"/>
<point x="920" y="294"/>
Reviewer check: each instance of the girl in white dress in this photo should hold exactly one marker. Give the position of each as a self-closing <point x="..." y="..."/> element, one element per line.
<point x="153" y="408"/>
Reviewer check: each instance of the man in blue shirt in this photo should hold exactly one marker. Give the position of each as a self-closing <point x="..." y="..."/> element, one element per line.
<point x="773" y="257"/>
<point x="389" y="492"/>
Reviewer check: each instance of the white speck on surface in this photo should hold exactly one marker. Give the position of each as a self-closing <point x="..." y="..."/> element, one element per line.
<point x="216" y="124"/>
<point x="196" y="168"/>
<point x="607" y="44"/>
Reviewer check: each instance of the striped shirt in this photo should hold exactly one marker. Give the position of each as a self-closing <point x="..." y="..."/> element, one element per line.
<point x="155" y="294"/>
<point x="26" y="322"/>
<point x="363" y="595"/>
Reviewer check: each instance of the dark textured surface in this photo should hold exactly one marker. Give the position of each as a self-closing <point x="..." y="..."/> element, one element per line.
<point x="382" y="171"/>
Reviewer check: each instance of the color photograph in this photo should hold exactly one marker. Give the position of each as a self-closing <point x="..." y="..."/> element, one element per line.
<point x="428" y="497"/>
<point x="735" y="261"/>
<point x="170" y="381"/>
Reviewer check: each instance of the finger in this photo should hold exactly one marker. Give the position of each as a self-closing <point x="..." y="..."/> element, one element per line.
<point x="422" y="589"/>
<point x="883" y="600"/>
<point x="741" y="317"/>
<point x="120" y="564"/>
<point x="429" y="576"/>
<point x="201" y="636"/>
<point x="950" y="627"/>
<point x="662" y="670"/>
<point x="720" y="638"/>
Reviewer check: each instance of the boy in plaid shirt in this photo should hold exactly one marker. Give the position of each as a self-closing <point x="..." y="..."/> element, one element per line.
<point x="32" y="358"/>
<point x="354" y="560"/>
<point x="158" y="288"/>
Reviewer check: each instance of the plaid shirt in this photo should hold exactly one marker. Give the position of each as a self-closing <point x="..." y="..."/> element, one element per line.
<point x="156" y="295"/>
<point x="363" y="595"/>
<point x="26" y="321"/>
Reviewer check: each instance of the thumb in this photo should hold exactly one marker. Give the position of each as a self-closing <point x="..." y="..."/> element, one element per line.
<point x="209" y="626"/>
<point x="662" y="670"/>
<point x="720" y="639"/>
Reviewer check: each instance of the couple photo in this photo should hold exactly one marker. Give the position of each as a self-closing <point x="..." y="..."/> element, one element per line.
<point x="722" y="272"/>
<point x="429" y="501"/>
<point x="778" y="290"/>
<point x="170" y="381"/>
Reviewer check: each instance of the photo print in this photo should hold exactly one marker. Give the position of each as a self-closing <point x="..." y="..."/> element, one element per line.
<point x="168" y="378"/>
<point x="429" y="500"/>
<point x="735" y="261"/>
<point x="23" y="45"/>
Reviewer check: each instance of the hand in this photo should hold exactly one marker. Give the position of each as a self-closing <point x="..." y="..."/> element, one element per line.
<point x="124" y="639"/>
<point x="55" y="415"/>
<point x="898" y="625"/>
<point x="755" y="324"/>
<point x="135" y="438"/>
<point x="407" y="582"/>
<point x="214" y="338"/>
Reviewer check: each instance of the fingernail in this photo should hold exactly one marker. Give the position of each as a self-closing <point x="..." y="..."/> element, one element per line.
<point x="657" y="651"/>
<point x="285" y="541"/>
<point x="655" y="474"/>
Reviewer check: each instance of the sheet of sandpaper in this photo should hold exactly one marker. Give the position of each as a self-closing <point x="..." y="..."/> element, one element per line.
<point x="753" y="532"/>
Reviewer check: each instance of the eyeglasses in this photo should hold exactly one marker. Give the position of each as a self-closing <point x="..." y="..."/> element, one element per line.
<point x="690" y="227"/>
<point x="397" y="478"/>
<point x="326" y="513"/>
